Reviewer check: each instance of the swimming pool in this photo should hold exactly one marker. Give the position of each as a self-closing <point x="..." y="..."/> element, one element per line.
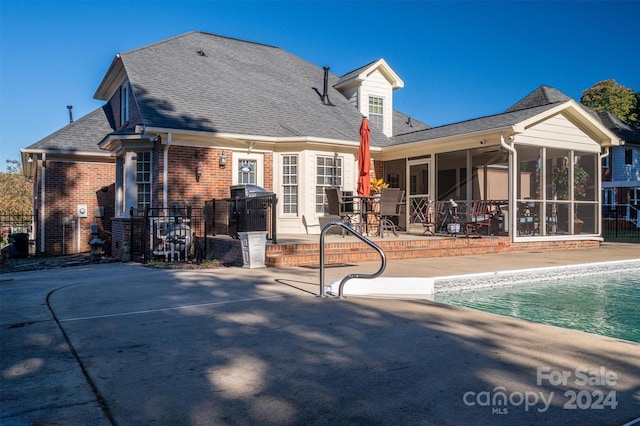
<point x="598" y="298"/>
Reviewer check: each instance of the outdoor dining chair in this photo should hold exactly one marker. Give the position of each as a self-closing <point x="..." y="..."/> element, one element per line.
<point x="389" y="210"/>
<point x="434" y="211"/>
<point x="340" y="206"/>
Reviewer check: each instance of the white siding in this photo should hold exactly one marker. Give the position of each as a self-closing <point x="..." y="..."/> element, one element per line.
<point x="559" y="132"/>
<point x="307" y="189"/>
<point x="377" y="85"/>
<point x="352" y="95"/>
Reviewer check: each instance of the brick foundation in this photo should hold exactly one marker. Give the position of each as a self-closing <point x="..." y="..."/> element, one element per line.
<point x="228" y="250"/>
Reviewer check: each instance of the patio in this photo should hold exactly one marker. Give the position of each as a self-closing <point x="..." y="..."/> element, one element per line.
<point x="294" y="250"/>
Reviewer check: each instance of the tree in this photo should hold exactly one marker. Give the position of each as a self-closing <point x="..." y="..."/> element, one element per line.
<point x="610" y="96"/>
<point x="15" y="191"/>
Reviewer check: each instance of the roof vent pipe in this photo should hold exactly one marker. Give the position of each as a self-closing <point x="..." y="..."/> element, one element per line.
<point x="70" y="108"/>
<point x="325" y="90"/>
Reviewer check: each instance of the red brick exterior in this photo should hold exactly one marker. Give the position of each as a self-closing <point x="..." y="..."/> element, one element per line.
<point x="308" y="254"/>
<point x="121" y="228"/>
<point x="377" y="170"/>
<point x="183" y="183"/>
<point x="68" y="184"/>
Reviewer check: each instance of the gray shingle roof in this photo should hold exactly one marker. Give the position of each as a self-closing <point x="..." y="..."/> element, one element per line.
<point x="238" y="87"/>
<point x="536" y="102"/>
<point x="353" y="73"/>
<point x="543" y="95"/>
<point x="471" y="126"/>
<point x="624" y="131"/>
<point x="402" y="124"/>
<point x="82" y="135"/>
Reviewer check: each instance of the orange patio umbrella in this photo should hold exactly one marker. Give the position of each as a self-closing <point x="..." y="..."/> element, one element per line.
<point x="364" y="160"/>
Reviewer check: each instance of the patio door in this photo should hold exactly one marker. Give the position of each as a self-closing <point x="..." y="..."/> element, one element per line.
<point x="420" y="186"/>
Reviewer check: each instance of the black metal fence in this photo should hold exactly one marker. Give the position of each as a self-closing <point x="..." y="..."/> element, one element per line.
<point x="230" y="216"/>
<point x="620" y="222"/>
<point x="172" y="234"/>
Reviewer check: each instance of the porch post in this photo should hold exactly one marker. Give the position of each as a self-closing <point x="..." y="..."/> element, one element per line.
<point x="42" y="203"/>
<point x="512" y="186"/>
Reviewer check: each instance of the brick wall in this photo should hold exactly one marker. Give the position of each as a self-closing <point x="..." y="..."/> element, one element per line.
<point x="67" y="185"/>
<point x="121" y="229"/>
<point x="214" y="182"/>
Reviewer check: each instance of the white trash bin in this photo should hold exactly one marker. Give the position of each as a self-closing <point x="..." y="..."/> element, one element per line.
<point x="254" y="247"/>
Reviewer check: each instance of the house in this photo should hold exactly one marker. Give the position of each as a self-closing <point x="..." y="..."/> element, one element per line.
<point x="621" y="168"/>
<point x="71" y="172"/>
<point x="192" y="115"/>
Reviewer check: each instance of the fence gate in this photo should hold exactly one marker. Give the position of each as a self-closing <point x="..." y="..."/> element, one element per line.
<point x="175" y="233"/>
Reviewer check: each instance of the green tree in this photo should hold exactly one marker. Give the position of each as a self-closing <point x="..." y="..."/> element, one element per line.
<point x="610" y="96"/>
<point x="15" y="191"/>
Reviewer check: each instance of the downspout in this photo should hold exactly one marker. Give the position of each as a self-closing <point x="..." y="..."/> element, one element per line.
<point x="165" y="174"/>
<point x="512" y="187"/>
<point x="600" y="195"/>
<point x="42" y="187"/>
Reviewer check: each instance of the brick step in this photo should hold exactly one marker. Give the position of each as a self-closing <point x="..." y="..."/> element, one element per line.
<point x="347" y="251"/>
<point x="360" y="252"/>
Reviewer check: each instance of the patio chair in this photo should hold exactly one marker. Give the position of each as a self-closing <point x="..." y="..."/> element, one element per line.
<point x="389" y="210"/>
<point x="434" y="211"/>
<point x="480" y="217"/>
<point x="340" y="207"/>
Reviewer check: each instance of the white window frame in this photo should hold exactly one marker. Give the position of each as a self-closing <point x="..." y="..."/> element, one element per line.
<point x="128" y="183"/>
<point x="125" y="91"/>
<point x="376" y="112"/>
<point x="608" y="196"/>
<point x="257" y="159"/>
<point x="290" y="181"/>
<point x="331" y="176"/>
<point x="143" y="179"/>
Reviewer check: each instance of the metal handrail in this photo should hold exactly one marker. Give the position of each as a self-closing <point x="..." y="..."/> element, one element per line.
<point x="349" y="276"/>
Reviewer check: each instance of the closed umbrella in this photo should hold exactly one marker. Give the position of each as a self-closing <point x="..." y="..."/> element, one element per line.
<point x="364" y="160"/>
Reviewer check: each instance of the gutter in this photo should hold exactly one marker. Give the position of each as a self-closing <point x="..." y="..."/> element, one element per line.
<point x="257" y="138"/>
<point x="457" y="137"/>
<point x="512" y="187"/>
<point x="165" y="175"/>
<point x="42" y="197"/>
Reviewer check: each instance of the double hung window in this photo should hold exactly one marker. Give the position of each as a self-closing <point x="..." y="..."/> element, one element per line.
<point x="376" y="112"/>
<point x="143" y="179"/>
<point x="328" y="174"/>
<point x="290" y="184"/>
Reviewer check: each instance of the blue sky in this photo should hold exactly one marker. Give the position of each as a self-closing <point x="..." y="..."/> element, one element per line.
<point x="459" y="59"/>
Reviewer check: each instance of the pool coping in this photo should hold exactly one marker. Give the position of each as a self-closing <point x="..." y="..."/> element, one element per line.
<point x="487" y="280"/>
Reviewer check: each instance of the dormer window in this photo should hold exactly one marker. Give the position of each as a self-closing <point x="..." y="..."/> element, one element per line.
<point x="376" y="112"/>
<point x="124" y="104"/>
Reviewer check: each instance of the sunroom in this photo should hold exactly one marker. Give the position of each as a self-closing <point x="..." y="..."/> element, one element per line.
<point x="534" y="171"/>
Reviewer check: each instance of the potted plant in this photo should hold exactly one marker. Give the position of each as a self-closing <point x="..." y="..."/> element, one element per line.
<point x="377" y="185"/>
<point x="560" y="177"/>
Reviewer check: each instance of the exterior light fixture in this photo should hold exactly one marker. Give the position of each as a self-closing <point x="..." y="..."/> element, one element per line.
<point x="30" y="159"/>
<point x="223" y="159"/>
<point x="198" y="171"/>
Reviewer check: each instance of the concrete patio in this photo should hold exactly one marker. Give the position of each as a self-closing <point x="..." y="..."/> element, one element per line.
<point x="125" y="344"/>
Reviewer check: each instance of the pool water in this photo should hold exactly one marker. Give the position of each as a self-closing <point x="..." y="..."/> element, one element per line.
<point x="607" y="305"/>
